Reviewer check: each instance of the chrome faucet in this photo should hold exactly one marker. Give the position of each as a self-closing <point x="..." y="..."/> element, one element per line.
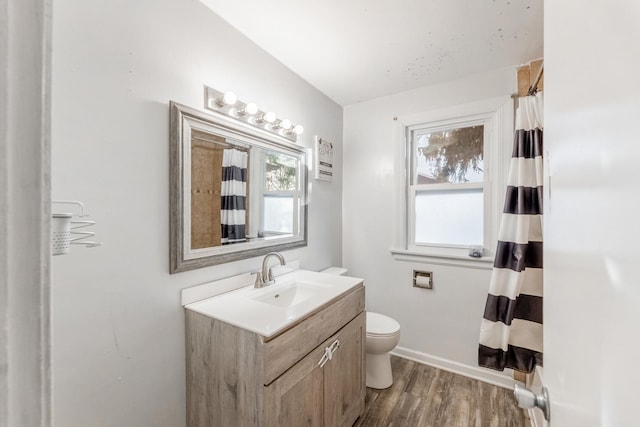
<point x="265" y="277"/>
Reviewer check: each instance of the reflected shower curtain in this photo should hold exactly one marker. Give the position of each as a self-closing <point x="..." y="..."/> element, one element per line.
<point x="233" y="193"/>
<point x="511" y="330"/>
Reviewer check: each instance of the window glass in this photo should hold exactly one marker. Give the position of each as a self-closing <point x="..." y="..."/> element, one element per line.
<point x="280" y="172"/>
<point x="449" y="217"/>
<point x="278" y="213"/>
<point x="449" y="156"/>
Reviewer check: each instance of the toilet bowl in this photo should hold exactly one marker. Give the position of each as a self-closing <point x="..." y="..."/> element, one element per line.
<point x="383" y="334"/>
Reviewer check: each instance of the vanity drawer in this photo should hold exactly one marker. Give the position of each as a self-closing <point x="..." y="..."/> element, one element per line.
<point x="287" y="348"/>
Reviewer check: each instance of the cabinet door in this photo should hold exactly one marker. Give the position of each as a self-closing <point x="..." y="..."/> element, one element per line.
<point x="296" y="397"/>
<point x="344" y="376"/>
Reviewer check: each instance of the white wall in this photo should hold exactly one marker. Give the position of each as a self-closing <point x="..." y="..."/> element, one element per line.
<point x="443" y="322"/>
<point x="118" y="339"/>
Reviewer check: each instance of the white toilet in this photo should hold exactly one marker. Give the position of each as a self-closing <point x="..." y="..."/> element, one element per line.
<point x="383" y="334"/>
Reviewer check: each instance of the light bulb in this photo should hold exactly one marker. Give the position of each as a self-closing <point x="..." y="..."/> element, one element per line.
<point x="249" y="109"/>
<point x="295" y="130"/>
<point x="285" y="124"/>
<point x="269" y="117"/>
<point x="229" y="98"/>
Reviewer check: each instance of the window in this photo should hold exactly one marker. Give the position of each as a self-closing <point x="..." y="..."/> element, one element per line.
<point x="455" y="161"/>
<point x="447" y="185"/>
<point x="280" y="199"/>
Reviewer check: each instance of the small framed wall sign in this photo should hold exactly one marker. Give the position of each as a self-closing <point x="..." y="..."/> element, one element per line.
<point x="324" y="159"/>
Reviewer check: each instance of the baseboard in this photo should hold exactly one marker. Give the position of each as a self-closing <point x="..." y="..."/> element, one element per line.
<point x="475" y="372"/>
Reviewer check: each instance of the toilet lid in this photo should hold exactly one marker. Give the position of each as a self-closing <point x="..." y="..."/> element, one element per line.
<point x="379" y="324"/>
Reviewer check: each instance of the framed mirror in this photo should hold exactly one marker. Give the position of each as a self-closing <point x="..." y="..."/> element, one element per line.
<point x="236" y="190"/>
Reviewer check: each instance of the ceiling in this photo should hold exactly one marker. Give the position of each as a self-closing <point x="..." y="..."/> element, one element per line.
<point x="356" y="50"/>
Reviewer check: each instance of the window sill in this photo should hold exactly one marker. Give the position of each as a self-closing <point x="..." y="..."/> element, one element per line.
<point x="484" y="263"/>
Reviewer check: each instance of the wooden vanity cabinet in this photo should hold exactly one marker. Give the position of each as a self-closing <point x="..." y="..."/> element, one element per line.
<point x="238" y="378"/>
<point x="332" y="395"/>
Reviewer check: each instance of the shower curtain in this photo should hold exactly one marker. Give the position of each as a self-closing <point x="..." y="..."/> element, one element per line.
<point x="511" y="329"/>
<point x="233" y="194"/>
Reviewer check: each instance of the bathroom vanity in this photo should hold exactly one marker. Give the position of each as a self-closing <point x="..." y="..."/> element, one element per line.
<point x="290" y="354"/>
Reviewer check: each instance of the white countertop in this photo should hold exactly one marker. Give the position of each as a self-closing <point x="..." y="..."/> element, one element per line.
<point x="245" y="307"/>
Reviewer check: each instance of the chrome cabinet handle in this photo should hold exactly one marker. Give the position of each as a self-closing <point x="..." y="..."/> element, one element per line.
<point x="324" y="358"/>
<point x="328" y="353"/>
<point x="333" y="347"/>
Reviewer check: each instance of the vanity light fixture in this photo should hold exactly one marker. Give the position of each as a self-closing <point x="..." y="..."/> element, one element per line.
<point x="228" y="103"/>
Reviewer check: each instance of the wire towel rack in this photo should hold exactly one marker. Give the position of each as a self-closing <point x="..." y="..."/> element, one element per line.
<point x="65" y="231"/>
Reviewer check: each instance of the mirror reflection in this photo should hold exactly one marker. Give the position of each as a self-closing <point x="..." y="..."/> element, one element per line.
<point x="237" y="191"/>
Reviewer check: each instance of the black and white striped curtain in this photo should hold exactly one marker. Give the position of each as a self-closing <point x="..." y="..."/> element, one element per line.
<point x="234" y="195"/>
<point x="511" y="330"/>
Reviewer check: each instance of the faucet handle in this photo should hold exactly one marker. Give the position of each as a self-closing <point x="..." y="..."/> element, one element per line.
<point x="277" y="270"/>
<point x="259" y="282"/>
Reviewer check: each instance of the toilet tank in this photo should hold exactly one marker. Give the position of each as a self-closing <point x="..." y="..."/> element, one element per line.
<point x="338" y="271"/>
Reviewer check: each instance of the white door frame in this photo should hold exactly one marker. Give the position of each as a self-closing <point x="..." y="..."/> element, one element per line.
<point x="25" y="209"/>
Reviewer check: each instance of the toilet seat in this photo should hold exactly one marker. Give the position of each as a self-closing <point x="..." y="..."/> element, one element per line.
<point x="379" y="325"/>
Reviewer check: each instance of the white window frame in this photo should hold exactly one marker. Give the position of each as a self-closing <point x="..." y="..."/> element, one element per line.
<point x="496" y="115"/>
<point x="415" y="188"/>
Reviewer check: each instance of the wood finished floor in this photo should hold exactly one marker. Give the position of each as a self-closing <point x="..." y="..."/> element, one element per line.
<point x="422" y="396"/>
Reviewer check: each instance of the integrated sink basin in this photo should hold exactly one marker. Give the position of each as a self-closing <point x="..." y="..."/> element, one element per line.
<point x="290" y="295"/>
<point x="271" y="309"/>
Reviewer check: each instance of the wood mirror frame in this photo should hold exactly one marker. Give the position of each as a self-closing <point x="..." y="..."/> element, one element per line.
<point x="192" y="129"/>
